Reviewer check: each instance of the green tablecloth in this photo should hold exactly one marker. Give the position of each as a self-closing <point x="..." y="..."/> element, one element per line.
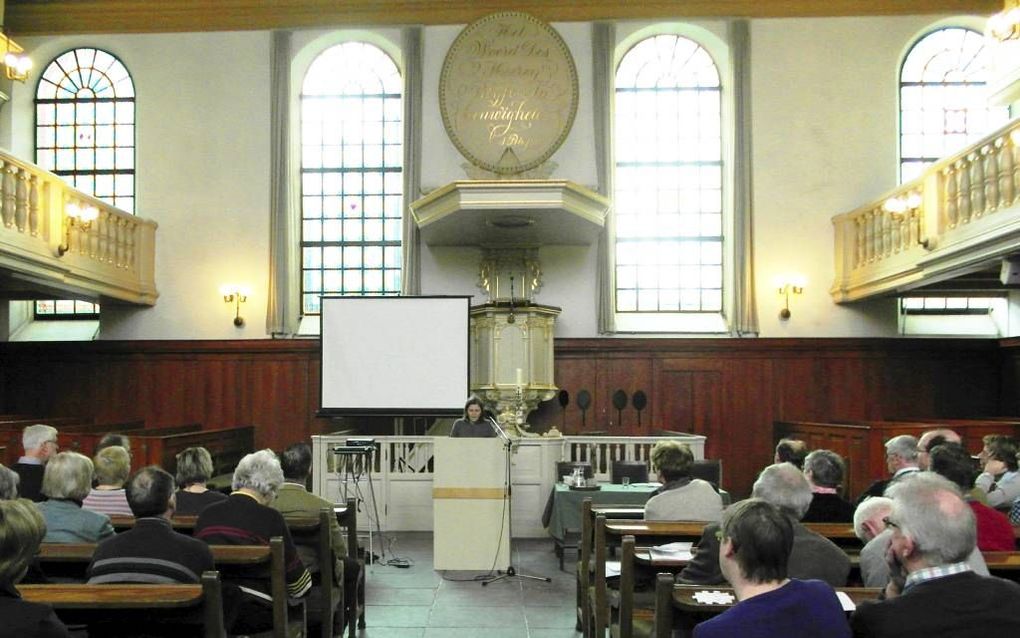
<point x="566" y="503"/>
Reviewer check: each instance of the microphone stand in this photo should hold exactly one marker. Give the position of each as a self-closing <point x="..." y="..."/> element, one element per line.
<point x="510" y="571"/>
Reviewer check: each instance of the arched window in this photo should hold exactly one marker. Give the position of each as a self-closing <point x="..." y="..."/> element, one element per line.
<point x="943" y="103"/>
<point x="351" y="174"/>
<point x="669" y="176"/>
<point x="85" y="133"/>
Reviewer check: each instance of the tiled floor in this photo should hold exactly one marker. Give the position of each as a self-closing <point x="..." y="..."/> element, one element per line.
<point x="418" y="602"/>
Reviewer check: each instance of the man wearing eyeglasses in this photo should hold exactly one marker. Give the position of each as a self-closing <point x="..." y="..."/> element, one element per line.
<point x="933" y="591"/>
<point x="40" y="443"/>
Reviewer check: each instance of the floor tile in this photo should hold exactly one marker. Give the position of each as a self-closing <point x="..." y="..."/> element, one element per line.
<point x="396" y="616"/>
<point x="551" y="617"/>
<point x="490" y="617"/>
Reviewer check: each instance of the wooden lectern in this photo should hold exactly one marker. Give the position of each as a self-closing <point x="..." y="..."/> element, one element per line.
<point x="470" y="504"/>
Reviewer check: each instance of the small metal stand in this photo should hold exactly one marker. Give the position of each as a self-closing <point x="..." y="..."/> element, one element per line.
<point x="508" y="443"/>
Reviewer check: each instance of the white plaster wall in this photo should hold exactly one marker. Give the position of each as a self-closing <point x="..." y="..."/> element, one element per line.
<point x="824" y="106"/>
<point x="203" y="153"/>
<point x="824" y="116"/>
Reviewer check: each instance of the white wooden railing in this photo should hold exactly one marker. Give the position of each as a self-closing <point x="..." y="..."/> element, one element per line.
<point x="962" y="213"/>
<point x="114" y="257"/>
<point x="395" y="483"/>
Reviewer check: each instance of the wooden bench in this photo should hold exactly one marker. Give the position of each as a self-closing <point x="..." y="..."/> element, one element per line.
<point x="226" y="445"/>
<point x="673" y="600"/>
<point x="76" y="604"/>
<point x="69" y="559"/>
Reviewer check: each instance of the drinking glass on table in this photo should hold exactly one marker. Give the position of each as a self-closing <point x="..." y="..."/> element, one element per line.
<point x="626" y="481"/>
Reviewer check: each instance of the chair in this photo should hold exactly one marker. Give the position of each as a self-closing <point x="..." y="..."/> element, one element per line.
<point x="708" y="470"/>
<point x="566" y="468"/>
<point x="636" y="471"/>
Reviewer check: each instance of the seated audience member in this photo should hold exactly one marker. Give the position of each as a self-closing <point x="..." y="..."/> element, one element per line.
<point x="933" y="592"/>
<point x="194" y="468"/>
<point x="66" y="483"/>
<point x="294" y="500"/>
<point x="112" y="438"/>
<point x="870" y="527"/>
<point x="112" y="466"/>
<point x="8" y="483"/>
<point x="999" y="479"/>
<point x="757" y="539"/>
<point x="994" y="532"/>
<point x="21" y="530"/>
<point x="929" y="440"/>
<point x="40" y="443"/>
<point x="824" y="471"/>
<point x="900" y="459"/>
<point x="791" y="451"/>
<point x="681" y="498"/>
<point x="245" y="518"/>
<point x="813" y="556"/>
<point x="151" y="551"/>
<point x="1014" y="513"/>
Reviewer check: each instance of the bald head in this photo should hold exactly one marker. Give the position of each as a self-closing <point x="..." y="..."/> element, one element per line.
<point x="929" y="440"/>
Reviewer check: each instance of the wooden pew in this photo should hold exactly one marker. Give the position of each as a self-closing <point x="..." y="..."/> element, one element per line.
<point x="81" y="603"/>
<point x="672" y="600"/>
<point x="231" y="560"/>
<point x="226" y="445"/>
<point x="354" y="614"/>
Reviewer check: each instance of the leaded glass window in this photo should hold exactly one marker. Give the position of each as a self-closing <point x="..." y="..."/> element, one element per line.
<point x="943" y="98"/>
<point x="669" y="174"/>
<point x="351" y="174"/>
<point x="85" y="133"/>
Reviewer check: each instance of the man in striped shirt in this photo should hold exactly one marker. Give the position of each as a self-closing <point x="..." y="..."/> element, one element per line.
<point x="151" y="552"/>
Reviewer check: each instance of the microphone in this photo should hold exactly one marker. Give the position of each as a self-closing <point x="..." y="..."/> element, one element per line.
<point x="499" y="431"/>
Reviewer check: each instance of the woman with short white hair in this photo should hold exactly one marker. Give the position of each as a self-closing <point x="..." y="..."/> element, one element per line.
<point x="67" y="481"/>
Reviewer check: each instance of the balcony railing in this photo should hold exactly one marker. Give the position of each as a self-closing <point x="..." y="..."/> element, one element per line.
<point x="42" y="250"/>
<point x="961" y="215"/>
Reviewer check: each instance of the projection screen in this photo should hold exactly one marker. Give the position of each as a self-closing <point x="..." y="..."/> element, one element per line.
<point x="394" y="355"/>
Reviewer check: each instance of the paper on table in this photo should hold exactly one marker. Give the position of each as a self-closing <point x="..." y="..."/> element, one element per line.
<point x="612" y="568"/>
<point x="714" y="597"/>
<point x="672" y="552"/>
<point x="845" y="601"/>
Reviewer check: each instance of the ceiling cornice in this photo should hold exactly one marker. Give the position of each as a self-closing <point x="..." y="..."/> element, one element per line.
<point x="61" y="17"/>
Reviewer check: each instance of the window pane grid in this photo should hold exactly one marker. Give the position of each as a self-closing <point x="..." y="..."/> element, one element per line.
<point x="351" y="175"/>
<point x="943" y="105"/>
<point x="669" y="167"/>
<point x="85" y="133"/>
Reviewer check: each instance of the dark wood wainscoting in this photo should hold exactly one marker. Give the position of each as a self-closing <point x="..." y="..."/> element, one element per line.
<point x="727" y="389"/>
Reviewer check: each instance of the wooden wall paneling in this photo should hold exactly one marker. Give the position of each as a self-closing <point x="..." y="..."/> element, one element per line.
<point x="281" y="387"/>
<point x="573" y="375"/>
<point x="628" y="375"/>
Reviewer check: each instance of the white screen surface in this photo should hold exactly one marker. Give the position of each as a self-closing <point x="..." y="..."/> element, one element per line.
<point x="394" y="355"/>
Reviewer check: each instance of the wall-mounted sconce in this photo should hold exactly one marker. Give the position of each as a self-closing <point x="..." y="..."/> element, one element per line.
<point x="787" y="286"/>
<point x="907" y="207"/>
<point x="78" y="215"/>
<point x="237" y="295"/>
<point x="16" y="64"/>
<point x="1005" y="25"/>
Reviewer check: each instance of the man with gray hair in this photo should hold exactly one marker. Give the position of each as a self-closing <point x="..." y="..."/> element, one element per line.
<point x="40" y="443"/>
<point x="245" y="518"/>
<point x="813" y="556"/>
<point x="869" y="525"/>
<point x="933" y="591"/>
<point x="900" y="459"/>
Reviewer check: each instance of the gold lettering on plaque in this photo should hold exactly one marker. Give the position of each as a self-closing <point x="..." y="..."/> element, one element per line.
<point x="508" y="83"/>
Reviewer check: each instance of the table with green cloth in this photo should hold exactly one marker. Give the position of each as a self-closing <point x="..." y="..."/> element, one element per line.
<point x="565" y="503"/>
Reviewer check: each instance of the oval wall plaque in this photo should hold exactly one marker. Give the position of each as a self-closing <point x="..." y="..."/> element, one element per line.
<point x="508" y="92"/>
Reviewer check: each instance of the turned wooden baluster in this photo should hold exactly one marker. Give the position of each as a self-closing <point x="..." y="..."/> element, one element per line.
<point x="33" y="205"/>
<point x="991" y="177"/>
<point x="8" y="194"/>
<point x="21" y="200"/>
<point x="949" y="202"/>
<point x="977" y="193"/>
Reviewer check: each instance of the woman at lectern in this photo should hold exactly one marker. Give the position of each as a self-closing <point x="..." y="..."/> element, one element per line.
<point x="472" y="425"/>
